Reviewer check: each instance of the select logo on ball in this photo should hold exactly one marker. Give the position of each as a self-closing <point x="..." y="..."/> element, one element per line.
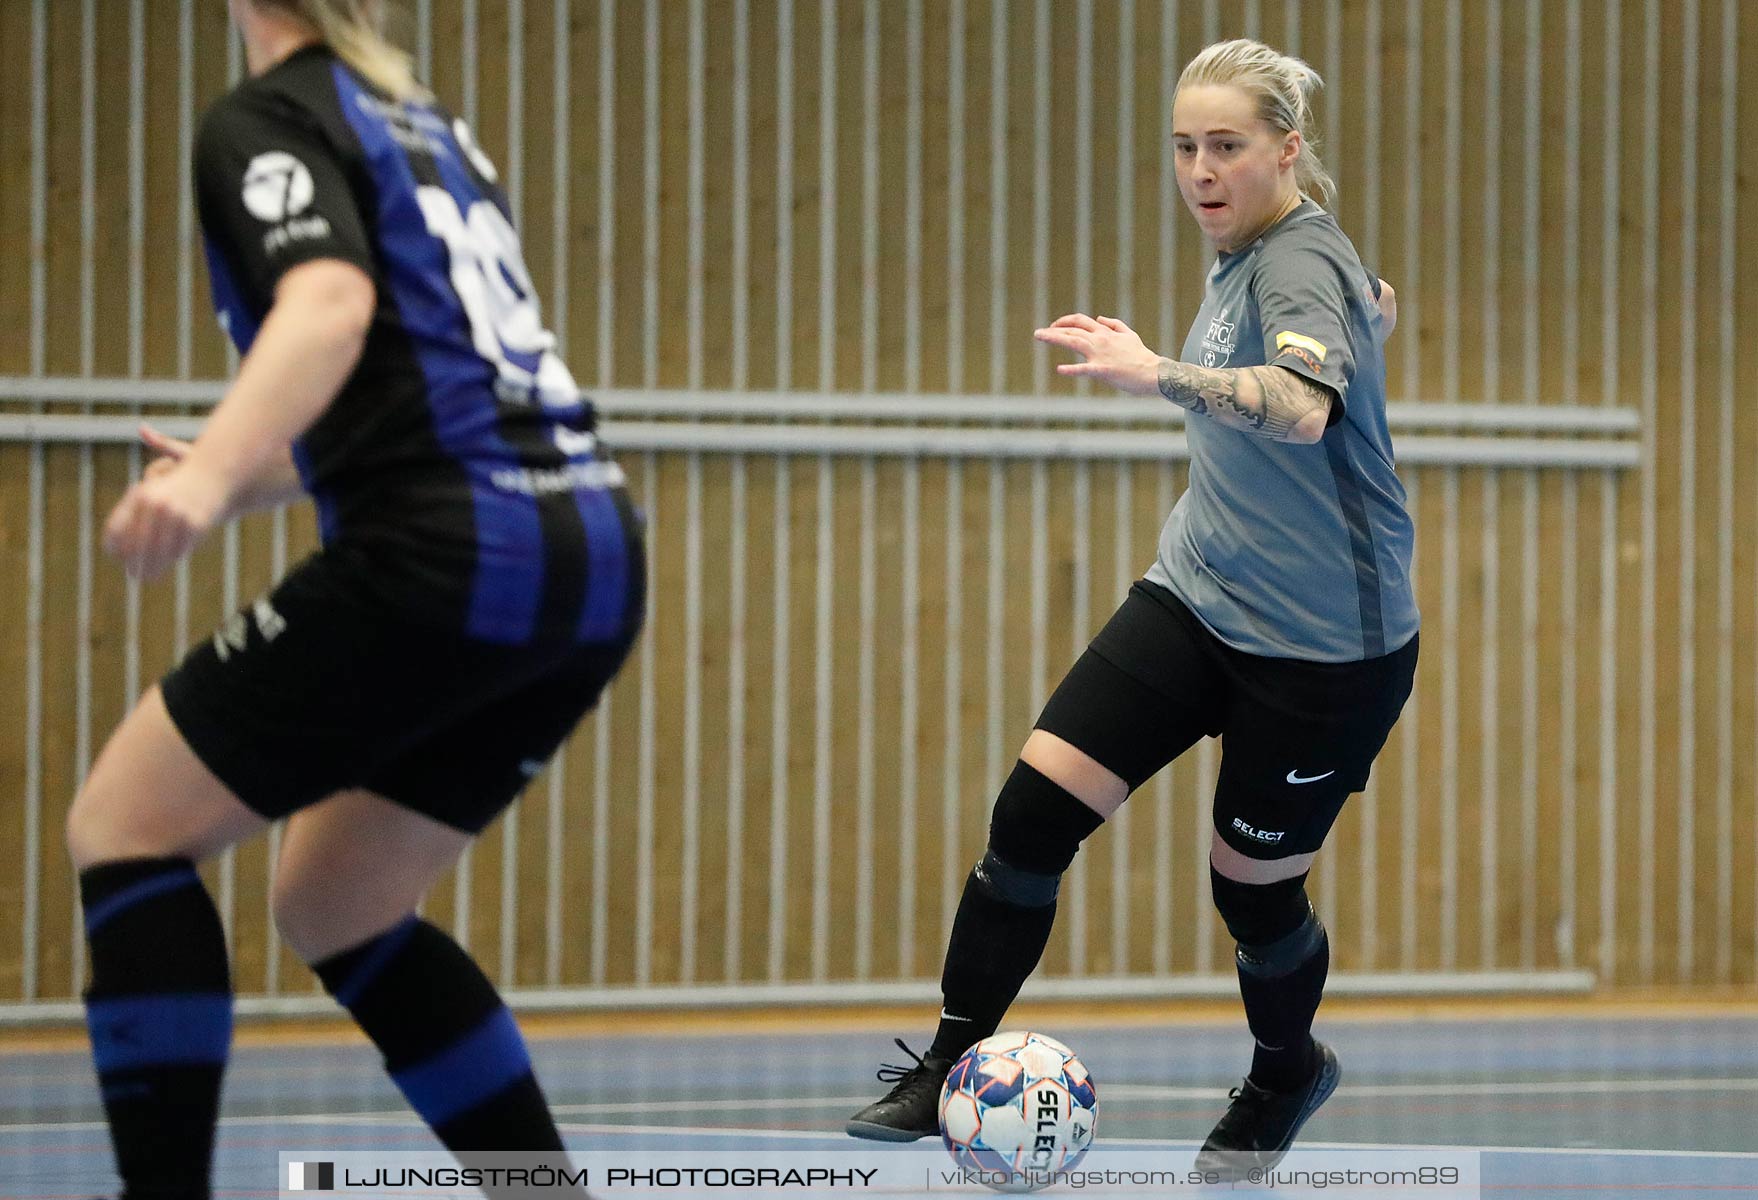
<point x="276" y="186"/>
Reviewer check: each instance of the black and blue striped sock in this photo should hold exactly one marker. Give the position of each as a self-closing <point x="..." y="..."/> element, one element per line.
<point x="447" y="1039"/>
<point x="159" y="1010"/>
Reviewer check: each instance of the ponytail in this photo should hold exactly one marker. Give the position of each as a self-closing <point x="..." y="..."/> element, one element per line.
<point x="354" y="30"/>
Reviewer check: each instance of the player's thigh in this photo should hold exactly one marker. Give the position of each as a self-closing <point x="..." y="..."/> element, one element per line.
<point x="315" y="688"/>
<point x="1300" y="740"/>
<point x="1240" y="868"/>
<point x="1143" y="692"/>
<point x="464" y="772"/>
<point x="353" y="865"/>
<point x="300" y="693"/>
<point x="269" y="714"/>
<point x="149" y="796"/>
<point x="358" y="862"/>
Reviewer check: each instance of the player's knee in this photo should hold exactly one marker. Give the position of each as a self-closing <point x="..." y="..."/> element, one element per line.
<point x="293" y="904"/>
<point x="83" y="833"/>
<point x="319" y="916"/>
<point x="1035" y="830"/>
<point x="97" y="832"/>
<point x="1075" y="771"/>
<point x="310" y="914"/>
<point x="1273" y="923"/>
<point x="1003" y="881"/>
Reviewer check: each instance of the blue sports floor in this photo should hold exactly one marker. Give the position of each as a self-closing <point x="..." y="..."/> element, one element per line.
<point x="1575" y="1104"/>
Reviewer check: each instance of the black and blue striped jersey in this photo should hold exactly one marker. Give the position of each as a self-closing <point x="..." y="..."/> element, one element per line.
<point x="458" y="466"/>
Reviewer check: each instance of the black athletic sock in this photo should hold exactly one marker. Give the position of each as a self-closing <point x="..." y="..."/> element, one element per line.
<point x="447" y="1039"/>
<point x="994" y="947"/>
<point x="1280" y="1010"/>
<point x="159" y="1010"/>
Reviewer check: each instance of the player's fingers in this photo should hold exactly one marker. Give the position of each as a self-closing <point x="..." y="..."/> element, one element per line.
<point x="118" y="528"/>
<point x="161" y="543"/>
<point x="179" y="540"/>
<point x="139" y="538"/>
<point x="1076" y="321"/>
<point x="1080" y="368"/>
<point x="1065" y="339"/>
<point x="162" y="443"/>
<point x="1114" y="325"/>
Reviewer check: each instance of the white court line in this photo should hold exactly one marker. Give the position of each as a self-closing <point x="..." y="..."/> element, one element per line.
<point x="1570" y="1151"/>
<point x="831" y="1135"/>
<point x="1113" y="1092"/>
<point x="1127" y="1091"/>
<point x="1549" y="1087"/>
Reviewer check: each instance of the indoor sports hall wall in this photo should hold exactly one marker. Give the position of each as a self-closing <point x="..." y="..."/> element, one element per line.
<point x="797" y="249"/>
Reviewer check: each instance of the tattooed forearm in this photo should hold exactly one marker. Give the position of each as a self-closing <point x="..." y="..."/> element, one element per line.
<point x="1270" y="402"/>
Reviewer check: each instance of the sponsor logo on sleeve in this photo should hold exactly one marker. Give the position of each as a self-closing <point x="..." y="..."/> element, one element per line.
<point x="1289" y="340"/>
<point x="277" y="186"/>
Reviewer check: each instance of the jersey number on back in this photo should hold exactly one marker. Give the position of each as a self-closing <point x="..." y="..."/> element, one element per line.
<point x="489" y="276"/>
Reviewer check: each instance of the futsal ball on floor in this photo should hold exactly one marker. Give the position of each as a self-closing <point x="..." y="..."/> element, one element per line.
<point x="1018" y="1107"/>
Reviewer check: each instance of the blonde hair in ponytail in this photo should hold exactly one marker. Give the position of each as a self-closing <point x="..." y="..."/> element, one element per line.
<point x="354" y="30"/>
<point x="1282" y="87"/>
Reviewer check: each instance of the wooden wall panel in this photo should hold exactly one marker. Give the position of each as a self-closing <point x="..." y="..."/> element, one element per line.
<point x="1516" y="170"/>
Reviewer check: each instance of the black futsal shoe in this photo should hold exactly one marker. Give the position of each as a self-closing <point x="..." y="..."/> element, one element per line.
<point x="1257" y="1131"/>
<point x="911" y="1109"/>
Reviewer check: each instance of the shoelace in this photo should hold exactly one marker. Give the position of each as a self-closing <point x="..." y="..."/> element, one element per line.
<point x="891" y="1073"/>
<point x="1251" y="1093"/>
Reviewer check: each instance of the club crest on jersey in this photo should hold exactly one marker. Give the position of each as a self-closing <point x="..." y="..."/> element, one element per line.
<point x="1218" y="341"/>
<point x="277" y="186"/>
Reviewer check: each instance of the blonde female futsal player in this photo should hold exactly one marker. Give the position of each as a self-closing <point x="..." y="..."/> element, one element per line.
<point x="478" y="585"/>
<point x="1278" y="614"/>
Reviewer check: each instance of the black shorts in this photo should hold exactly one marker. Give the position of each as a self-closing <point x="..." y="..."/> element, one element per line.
<point x="1297" y="738"/>
<point x="316" y="688"/>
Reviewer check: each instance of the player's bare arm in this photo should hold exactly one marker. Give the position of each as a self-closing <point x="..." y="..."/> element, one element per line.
<point x="308" y="345"/>
<point x="1267" y="401"/>
<point x="1275" y="403"/>
<point x="275" y="485"/>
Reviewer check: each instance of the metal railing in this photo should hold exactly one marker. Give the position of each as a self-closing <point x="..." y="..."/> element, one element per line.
<point x="690" y="942"/>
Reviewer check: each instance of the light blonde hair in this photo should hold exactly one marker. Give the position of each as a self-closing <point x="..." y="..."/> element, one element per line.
<point x="354" y="29"/>
<point x="1281" y="86"/>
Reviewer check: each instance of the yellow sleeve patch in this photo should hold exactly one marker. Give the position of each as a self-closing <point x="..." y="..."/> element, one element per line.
<point x="1289" y="338"/>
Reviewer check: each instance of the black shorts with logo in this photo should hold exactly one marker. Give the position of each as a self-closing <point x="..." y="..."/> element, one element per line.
<point x="316" y="688"/>
<point x="1297" y="737"/>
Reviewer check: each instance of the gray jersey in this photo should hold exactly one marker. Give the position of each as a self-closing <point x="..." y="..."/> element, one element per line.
<point x="1295" y="551"/>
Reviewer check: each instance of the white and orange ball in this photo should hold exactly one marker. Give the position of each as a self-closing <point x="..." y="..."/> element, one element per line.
<point x="1017" y="1108"/>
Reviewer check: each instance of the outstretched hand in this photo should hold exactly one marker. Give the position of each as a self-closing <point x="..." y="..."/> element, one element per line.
<point x="162" y="517"/>
<point x="1111" y="352"/>
<point x="170" y="450"/>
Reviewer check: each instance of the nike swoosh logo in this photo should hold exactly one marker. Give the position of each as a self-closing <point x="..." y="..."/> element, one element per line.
<point x="1297" y="777"/>
<point x="946" y="1016"/>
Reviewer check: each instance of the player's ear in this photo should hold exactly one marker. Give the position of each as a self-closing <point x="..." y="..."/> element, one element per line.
<point x="1291" y="144"/>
